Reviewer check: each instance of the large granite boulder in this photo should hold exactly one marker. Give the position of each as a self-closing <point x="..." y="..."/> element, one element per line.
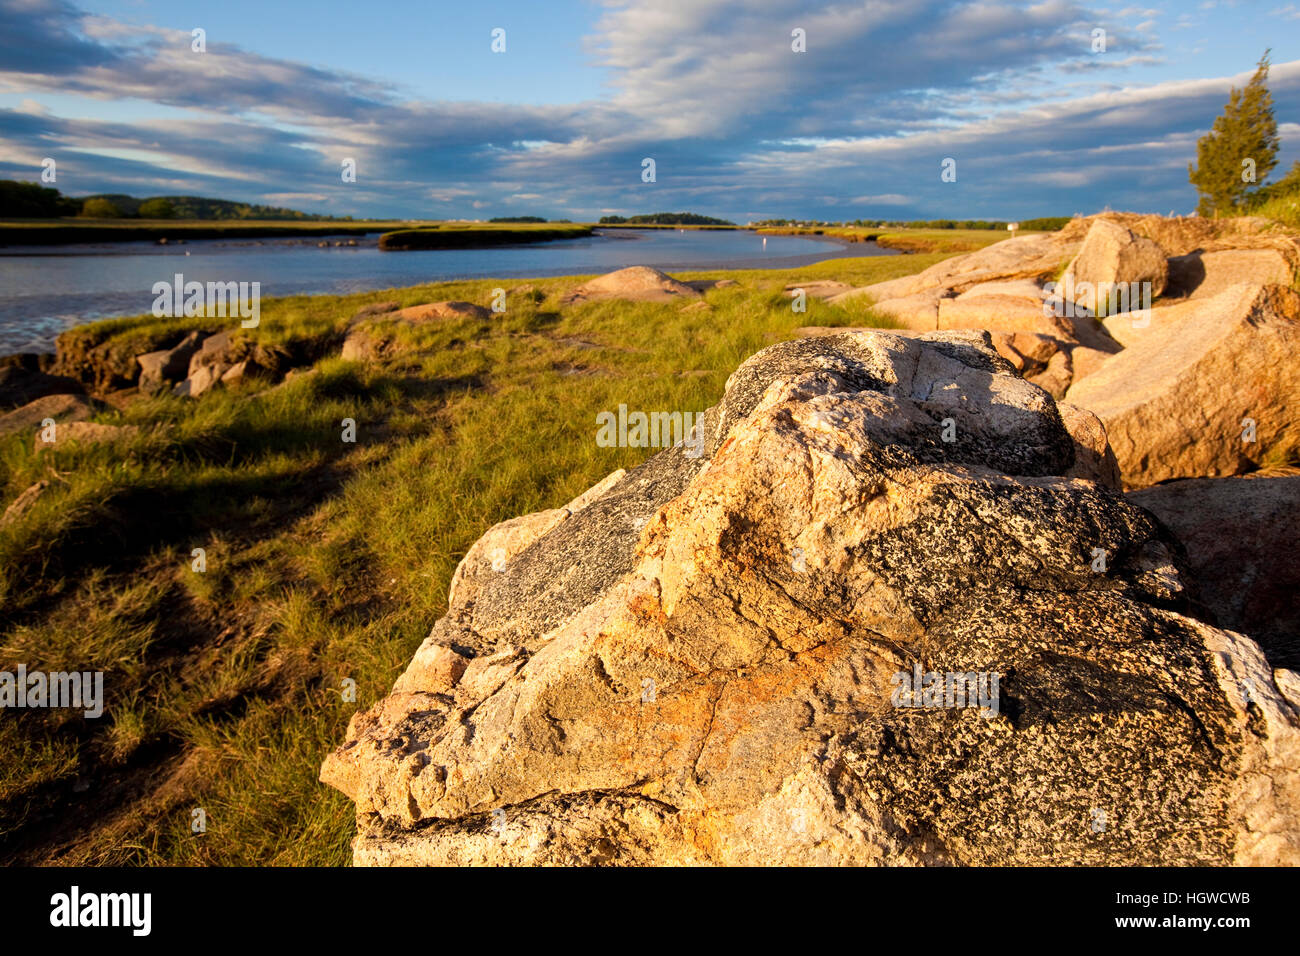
<point x="1210" y="392"/>
<point x="1203" y="274"/>
<point x="1240" y="535"/>
<point x="1035" y="256"/>
<point x="634" y="284"/>
<point x="889" y="615"/>
<point x="1110" y="257"/>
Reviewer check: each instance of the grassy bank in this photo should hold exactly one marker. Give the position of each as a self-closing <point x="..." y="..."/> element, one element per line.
<point x="475" y="235"/>
<point x="949" y="241"/>
<point x="325" y="560"/>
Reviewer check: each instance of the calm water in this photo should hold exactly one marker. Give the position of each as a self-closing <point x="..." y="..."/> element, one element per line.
<point x="45" y="290"/>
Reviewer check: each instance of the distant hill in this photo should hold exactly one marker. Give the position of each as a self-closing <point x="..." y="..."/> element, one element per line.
<point x="26" y="200"/>
<point x="665" y="219"/>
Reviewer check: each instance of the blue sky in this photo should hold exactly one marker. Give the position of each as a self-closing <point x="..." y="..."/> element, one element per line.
<point x="738" y="124"/>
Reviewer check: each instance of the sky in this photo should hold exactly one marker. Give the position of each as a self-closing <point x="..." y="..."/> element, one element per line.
<point x="1037" y="119"/>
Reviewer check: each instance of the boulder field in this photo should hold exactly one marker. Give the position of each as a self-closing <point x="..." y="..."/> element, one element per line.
<point x="898" y="612"/>
<point x="1203" y="383"/>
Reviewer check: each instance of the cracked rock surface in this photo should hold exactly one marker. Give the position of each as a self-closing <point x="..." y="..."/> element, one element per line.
<point x="698" y="661"/>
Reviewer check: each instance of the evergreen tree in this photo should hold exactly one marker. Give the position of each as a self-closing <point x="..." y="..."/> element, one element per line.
<point x="1239" y="151"/>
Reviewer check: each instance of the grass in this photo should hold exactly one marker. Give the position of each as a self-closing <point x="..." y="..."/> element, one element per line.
<point x="1282" y="209"/>
<point x="466" y="235"/>
<point x="326" y="560"/>
<point x="949" y="241"/>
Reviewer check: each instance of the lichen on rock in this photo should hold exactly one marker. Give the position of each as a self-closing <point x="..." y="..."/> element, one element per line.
<point x="698" y="661"/>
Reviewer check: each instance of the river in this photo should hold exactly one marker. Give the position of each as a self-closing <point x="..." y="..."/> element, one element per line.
<point x="44" y="290"/>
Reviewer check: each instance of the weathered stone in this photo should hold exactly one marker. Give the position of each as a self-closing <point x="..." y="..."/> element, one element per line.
<point x="1130" y="328"/>
<point x="1112" y="256"/>
<point x="243" y="372"/>
<point x="441" y="310"/>
<point x="1084" y="361"/>
<point x="703" y="663"/>
<point x="374" y="338"/>
<point x="1014" y="288"/>
<point x="1240" y="536"/>
<point x="634" y="284"/>
<point x="1202" y="274"/>
<point x="61" y="408"/>
<point x="917" y="313"/>
<point x="1024" y="257"/>
<point x="23" y="503"/>
<point x="215" y="350"/>
<point x="1004" y="313"/>
<point x="167" y="366"/>
<point x="1175" y="405"/>
<point x="362" y="344"/>
<point x="1093" y="458"/>
<point x="1040" y="359"/>
<point x="202" y="378"/>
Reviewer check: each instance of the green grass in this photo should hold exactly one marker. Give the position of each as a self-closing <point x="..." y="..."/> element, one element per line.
<point x="325" y="560"/>
<point x="1283" y="209"/>
<point x="948" y="241"/>
<point x="460" y="235"/>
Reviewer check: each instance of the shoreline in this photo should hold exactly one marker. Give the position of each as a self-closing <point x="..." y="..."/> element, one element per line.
<point x="38" y="334"/>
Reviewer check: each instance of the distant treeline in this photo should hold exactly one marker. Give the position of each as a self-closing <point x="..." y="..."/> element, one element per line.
<point x="1046" y="224"/>
<point x="23" y="200"/>
<point x="665" y="219"/>
<point x="32" y="201"/>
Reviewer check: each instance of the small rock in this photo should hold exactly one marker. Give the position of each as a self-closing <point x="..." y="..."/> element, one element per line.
<point x="213" y="349"/>
<point x="61" y="408"/>
<point x="161" y="368"/>
<point x="23" y="503"/>
<point x="241" y="372"/>
<point x="633" y="284"/>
